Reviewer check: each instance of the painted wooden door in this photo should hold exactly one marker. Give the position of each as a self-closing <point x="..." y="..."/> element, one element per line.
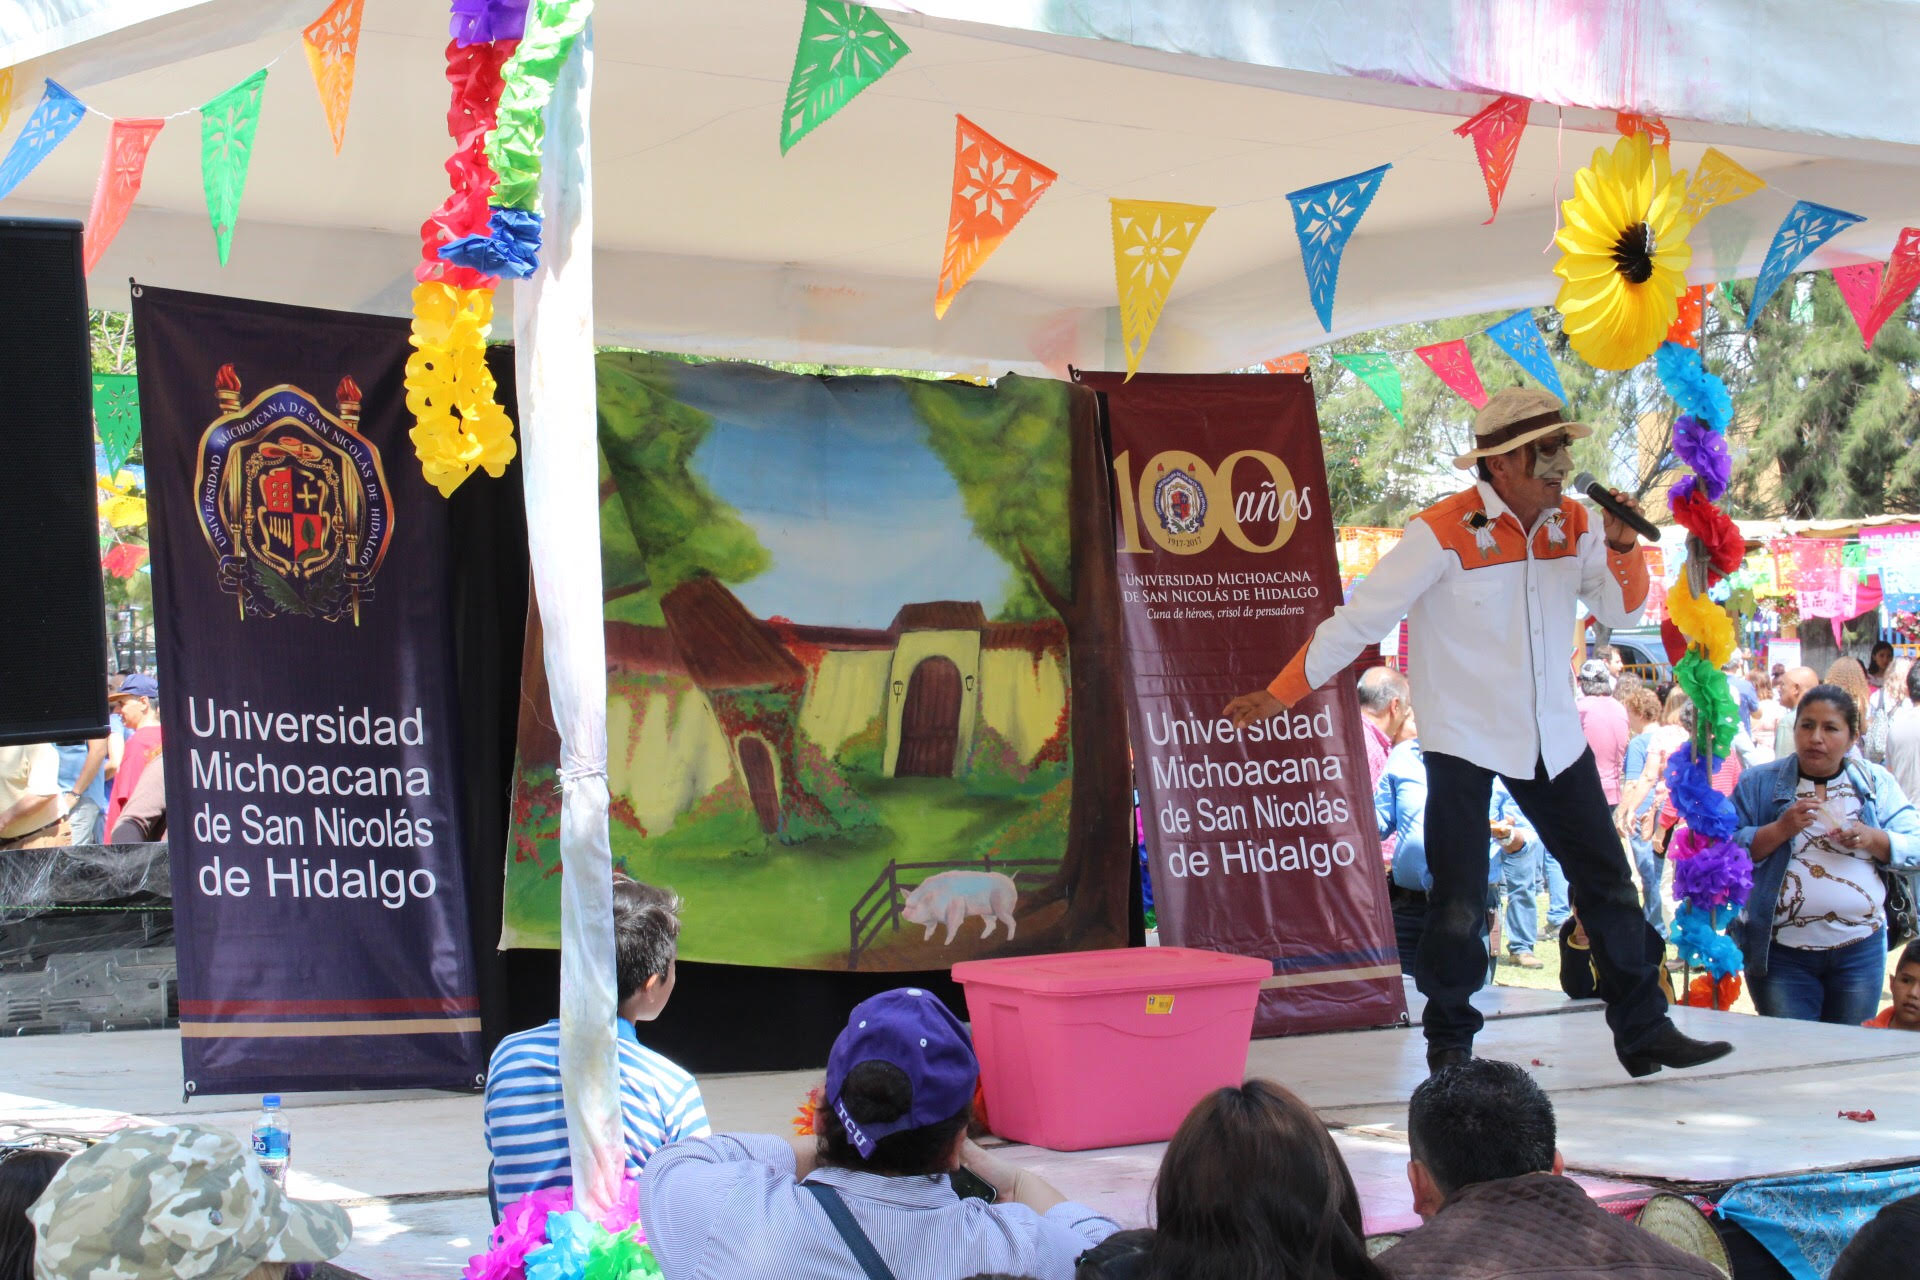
<point x="930" y="721"/>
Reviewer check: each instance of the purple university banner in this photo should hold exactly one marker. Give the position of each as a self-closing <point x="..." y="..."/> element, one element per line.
<point x="301" y="592"/>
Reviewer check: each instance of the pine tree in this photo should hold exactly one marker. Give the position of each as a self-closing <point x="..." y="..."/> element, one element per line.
<point x="1834" y="427"/>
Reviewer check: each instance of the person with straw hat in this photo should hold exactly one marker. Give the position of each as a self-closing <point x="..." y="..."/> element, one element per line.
<point x="1488" y="581"/>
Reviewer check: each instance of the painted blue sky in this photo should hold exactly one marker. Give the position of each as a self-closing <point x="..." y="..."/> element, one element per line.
<point x="837" y="479"/>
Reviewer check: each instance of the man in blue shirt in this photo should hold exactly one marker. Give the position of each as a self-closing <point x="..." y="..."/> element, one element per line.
<point x="1643" y="718"/>
<point x="1400" y="808"/>
<point x="1742" y="689"/>
<point x="526" y="1115"/>
<point x="83" y="778"/>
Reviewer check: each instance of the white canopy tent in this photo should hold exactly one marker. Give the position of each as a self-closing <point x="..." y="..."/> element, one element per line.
<point x="709" y="241"/>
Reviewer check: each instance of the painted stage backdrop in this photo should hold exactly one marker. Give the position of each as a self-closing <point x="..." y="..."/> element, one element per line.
<point x="860" y="709"/>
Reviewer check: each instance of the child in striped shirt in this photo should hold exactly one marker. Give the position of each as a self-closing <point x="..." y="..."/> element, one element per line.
<point x="526" y="1116"/>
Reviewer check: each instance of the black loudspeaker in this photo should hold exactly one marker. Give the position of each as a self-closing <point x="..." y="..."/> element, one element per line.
<point x="53" y="626"/>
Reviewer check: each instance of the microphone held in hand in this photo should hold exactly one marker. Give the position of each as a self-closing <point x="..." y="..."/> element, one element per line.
<point x="1600" y="497"/>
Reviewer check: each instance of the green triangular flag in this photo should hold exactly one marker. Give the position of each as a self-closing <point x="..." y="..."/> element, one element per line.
<point x="843" y="49"/>
<point x="1382" y="376"/>
<point x="116" y="416"/>
<point x="226" y="149"/>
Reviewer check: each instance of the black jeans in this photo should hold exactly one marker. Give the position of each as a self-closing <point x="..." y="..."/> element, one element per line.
<point x="1575" y="822"/>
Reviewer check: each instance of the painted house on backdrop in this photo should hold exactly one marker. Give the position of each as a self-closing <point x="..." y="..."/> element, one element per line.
<point x="722" y="710"/>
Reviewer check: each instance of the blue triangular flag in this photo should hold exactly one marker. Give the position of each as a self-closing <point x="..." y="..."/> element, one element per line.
<point x="1806" y="227"/>
<point x="1520" y="338"/>
<point x="52" y="120"/>
<point x="1324" y="217"/>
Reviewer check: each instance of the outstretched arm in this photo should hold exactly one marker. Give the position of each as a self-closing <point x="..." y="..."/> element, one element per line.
<point x="1377" y="606"/>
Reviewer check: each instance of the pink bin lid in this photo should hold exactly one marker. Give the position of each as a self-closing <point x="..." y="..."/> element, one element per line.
<point x="1121" y="969"/>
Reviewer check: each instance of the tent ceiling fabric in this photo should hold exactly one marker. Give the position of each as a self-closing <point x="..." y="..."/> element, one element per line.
<point x="709" y="241"/>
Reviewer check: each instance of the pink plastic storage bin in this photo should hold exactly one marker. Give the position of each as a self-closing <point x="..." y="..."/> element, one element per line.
<point x="1107" y="1048"/>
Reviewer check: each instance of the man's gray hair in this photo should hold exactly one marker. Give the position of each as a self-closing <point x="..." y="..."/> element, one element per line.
<point x="1379" y="686"/>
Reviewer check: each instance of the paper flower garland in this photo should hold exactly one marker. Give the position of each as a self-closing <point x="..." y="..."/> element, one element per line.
<point x="457" y="424"/>
<point x="503" y="63"/>
<point x="1712" y="875"/>
<point x="541" y="1236"/>
<point x="1625" y="254"/>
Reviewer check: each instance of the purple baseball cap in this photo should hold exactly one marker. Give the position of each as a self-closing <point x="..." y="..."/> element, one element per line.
<point x="908" y="1028"/>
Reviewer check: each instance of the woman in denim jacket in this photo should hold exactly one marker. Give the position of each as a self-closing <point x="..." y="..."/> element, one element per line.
<point x="1820" y="825"/>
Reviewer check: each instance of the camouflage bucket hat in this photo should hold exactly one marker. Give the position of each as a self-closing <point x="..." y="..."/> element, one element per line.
<point x="179" y="1201"/>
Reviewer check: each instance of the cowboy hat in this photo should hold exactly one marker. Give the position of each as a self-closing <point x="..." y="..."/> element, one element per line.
<point x="1517" y="416"/>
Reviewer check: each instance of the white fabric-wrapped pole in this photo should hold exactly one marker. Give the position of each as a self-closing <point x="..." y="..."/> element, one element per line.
<point x="553" y="333"/>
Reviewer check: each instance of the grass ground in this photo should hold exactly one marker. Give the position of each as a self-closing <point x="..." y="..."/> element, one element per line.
<point x="1548" y="976"/>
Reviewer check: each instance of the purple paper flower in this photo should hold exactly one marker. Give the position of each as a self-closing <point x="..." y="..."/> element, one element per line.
<point x="484" y="21"/>
<point x="1705" y="450"/>
<point x="1709" y="872"/>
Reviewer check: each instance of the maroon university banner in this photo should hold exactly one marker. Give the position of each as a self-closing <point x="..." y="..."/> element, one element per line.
<point x="1261" y="840"/>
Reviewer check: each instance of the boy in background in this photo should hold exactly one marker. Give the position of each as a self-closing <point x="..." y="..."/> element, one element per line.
<point x="526" y="1115"/>
<point x="1904" y="1013"/>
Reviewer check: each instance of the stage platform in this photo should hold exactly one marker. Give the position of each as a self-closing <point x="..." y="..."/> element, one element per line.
<point x="411" y="1167"/>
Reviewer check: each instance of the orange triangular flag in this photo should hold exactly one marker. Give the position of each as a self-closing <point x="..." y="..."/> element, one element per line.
<point x="993" y="187"/>
<point x="1495" y="130"/>
<point x="1295" y="363"/>
<point x="120" y="173"/>
<point x="331" y="43"/>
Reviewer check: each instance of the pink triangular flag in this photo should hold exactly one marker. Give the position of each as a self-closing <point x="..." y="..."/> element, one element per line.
<point x="1452" y="363"/>
<point x="1897" y="284"/>
<point x="1858" y="284"/>
<point x="120" y="173"/>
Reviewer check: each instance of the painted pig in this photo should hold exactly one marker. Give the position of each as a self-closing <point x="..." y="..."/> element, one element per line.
<point x="950" y="897"/>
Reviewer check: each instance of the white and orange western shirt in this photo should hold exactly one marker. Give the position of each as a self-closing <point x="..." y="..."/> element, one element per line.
<point x="1490" y="609"/>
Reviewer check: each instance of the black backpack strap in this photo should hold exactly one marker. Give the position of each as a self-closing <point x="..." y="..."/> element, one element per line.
<point x="842" y="1218"/>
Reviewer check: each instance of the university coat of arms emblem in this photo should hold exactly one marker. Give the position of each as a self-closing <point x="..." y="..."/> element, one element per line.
<point x="1181" y="502"/>
<point x="293" y="501"/>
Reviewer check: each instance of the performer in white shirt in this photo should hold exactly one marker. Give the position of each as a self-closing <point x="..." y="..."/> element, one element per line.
<point x="1487" y="580"/>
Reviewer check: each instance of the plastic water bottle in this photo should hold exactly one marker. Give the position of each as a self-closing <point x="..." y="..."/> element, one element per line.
<point x="272" y="1139"/>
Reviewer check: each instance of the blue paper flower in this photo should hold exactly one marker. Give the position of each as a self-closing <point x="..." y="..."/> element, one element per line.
<point x="511" y="247"/>
<point x="570" y="1237"/>
<point x="1694" y="389"/>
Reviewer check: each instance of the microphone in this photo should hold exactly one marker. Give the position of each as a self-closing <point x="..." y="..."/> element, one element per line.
<point x="1599" y="496"/>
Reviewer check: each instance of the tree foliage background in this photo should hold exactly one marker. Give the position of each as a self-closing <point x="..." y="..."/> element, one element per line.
<point x="1822" y="427"/>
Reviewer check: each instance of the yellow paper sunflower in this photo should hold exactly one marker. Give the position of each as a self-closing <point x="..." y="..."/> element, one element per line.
<point x="1625" y="254"/>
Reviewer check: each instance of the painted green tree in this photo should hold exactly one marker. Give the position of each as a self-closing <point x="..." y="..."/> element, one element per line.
<point x="1028" y="460"/>
<point x="660" y="523"/>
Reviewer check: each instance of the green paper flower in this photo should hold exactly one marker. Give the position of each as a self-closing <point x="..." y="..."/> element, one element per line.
<point x="1712" y="699"/>
<point x="621" y="1257"/>
<point x="515" y="143"/>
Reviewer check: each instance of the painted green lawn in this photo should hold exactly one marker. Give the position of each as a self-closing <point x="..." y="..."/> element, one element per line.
<point x="751" y="900"/>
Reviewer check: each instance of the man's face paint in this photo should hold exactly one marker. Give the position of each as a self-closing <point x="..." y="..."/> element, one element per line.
<point x="1552" y="460"/>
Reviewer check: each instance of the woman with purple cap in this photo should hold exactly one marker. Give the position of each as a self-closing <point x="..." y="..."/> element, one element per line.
<point x="872" y="1196"/>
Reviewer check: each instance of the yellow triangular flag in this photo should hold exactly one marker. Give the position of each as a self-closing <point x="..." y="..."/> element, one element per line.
<point x="332" y="42"/>
<point x="6" y="97"/>
<point x="1151" y="241"/>
<point x="1717" y="180"/>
